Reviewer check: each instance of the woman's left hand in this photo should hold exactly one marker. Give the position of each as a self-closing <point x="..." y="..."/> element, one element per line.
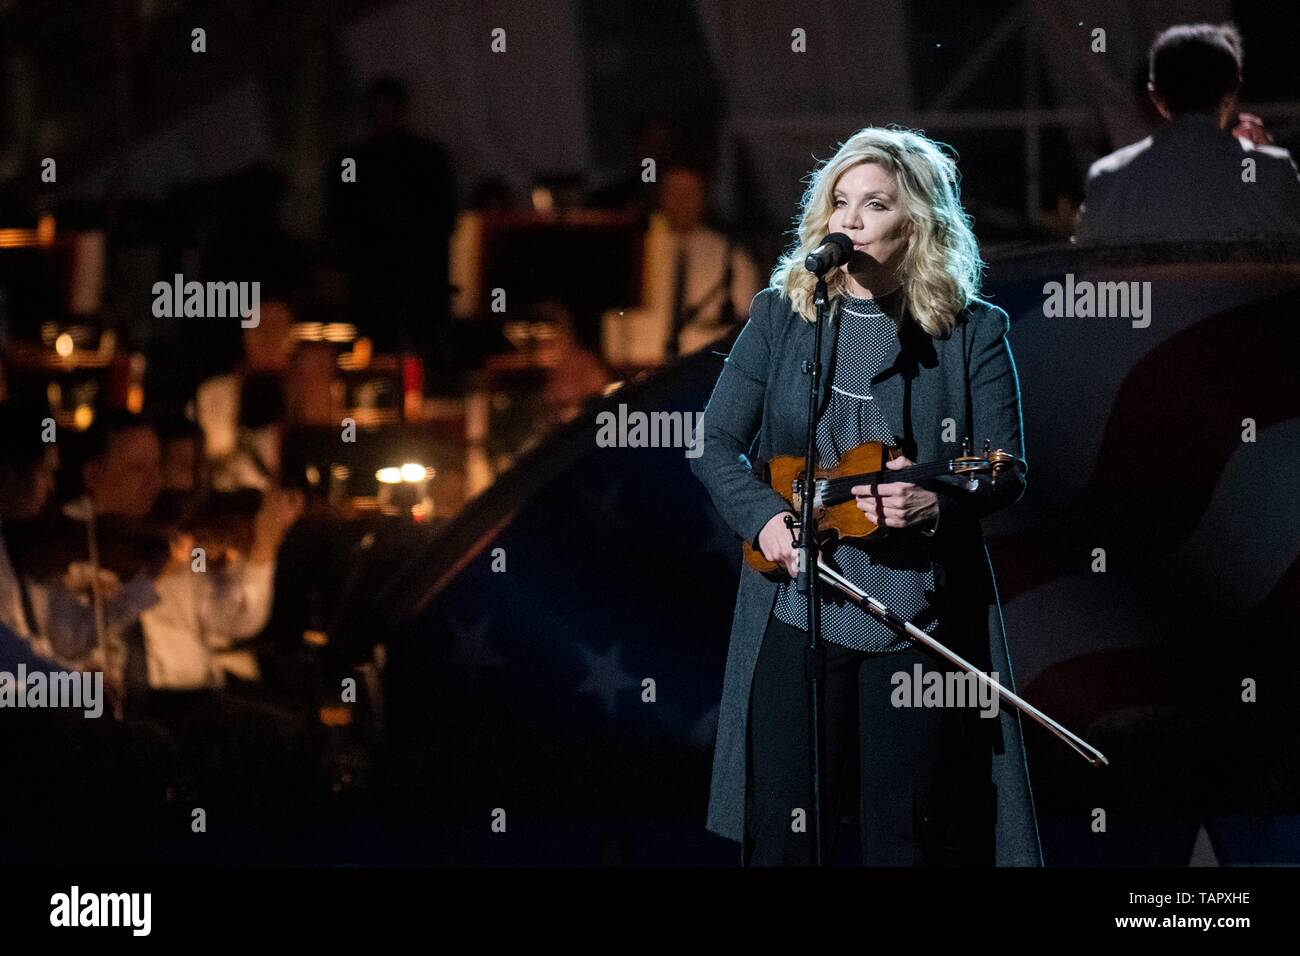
<point x="897" y="504"/>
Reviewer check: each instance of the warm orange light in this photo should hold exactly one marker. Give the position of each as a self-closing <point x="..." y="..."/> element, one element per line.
<point x="42" y="235"/>
<point x="45" y="230"/>
<point x="339" y="332"/>
<point x="361" y="352"/>
<point x="335" y="716"/>
<point x="543" y="201"/>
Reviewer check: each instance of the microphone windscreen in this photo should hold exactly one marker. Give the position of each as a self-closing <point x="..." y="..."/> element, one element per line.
<point x="844" y="243"/>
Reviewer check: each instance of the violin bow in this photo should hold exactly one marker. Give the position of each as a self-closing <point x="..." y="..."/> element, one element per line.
<point x="112" y="649"/>
<point x="892" y="620"/>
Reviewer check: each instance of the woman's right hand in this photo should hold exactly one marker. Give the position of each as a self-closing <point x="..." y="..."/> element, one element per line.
<point x="776" y="541"/>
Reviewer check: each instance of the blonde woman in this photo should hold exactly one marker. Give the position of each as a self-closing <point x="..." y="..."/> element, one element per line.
<point x="913" y="358"/>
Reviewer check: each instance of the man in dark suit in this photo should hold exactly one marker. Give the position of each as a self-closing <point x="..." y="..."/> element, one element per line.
<point x="1193" y="179"/>
<point x="393" y="226"/>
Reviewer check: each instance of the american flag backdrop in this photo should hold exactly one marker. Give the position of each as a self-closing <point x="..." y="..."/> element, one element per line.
<point x="576" y="684"/>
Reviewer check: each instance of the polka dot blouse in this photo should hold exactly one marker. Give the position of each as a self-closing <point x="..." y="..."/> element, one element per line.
<point x="896" y="569"/>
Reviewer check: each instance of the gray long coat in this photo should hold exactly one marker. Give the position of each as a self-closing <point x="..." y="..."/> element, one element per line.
<point x="759" y="407"/>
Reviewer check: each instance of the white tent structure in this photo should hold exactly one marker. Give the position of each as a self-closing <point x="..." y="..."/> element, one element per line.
<point x="788" y="107"/>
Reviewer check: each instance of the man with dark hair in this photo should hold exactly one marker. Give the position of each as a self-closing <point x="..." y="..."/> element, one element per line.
<point x="93" y="774"/>
<point x="1195" y="68"/>
<point x="192" y="619"/>
<point x="38" y="607"/>
<point x="121" y="468"/>
<point x="181" y="646"/>
<point x="1193" y="179"/>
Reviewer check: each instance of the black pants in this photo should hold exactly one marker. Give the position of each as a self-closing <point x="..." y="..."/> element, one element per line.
<point x="922" y="774"/>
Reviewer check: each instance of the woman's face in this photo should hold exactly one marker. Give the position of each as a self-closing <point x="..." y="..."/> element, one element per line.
<point x="867" y="209"/>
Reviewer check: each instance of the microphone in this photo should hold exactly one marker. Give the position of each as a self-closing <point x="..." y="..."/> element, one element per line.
<point x="834" y="251"/>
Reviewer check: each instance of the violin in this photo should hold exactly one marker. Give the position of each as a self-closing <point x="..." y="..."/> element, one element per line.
<point x="835" y="505"/>
<point x="44" y="547"/>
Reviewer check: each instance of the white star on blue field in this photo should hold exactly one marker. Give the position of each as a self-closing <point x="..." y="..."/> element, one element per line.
<point x="471" y="650"/>
<point x="605" y="675"/>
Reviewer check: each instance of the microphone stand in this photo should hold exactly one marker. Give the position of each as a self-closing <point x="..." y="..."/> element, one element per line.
<point x="808" y="584"/>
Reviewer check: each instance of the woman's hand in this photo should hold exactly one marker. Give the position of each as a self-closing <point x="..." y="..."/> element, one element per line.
<point x="897" y="504"/>
<point x="776" y="541"/>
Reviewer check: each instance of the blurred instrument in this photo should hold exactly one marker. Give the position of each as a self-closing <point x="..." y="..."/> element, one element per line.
<point x="46" y="546"/>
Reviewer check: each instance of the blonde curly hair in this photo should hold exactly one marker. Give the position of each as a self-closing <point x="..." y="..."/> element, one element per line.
<point x="941" y="269"/>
